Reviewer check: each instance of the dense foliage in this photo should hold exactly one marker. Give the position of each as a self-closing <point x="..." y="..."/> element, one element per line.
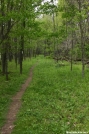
<point x="59" y="29"/>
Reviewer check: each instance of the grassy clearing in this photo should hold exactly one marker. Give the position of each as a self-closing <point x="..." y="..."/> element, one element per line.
<point x="56" y="101"/>
<point x="8" y="89"/>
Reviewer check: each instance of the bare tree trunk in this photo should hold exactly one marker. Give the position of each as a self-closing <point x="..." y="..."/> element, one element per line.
<point x="82" y="38"/>
<point x="54" y="27"/>
<point x="20" y="60"/>
<point x="6" y="65"/>
<point x="22" y="47"/>
<point x="3" y="57"/>
<point x="21" y="54"/>
<point x="72" y="52"/>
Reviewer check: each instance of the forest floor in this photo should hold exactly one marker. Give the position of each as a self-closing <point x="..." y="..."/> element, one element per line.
<point x="15" y="106"/>
<point x="55" y="102"/>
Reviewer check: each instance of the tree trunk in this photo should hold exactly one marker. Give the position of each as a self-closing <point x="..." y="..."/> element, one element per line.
<point x="6" y="66"/>
<point x="3" y="57"/>
<point x="82" y="39"/>
<point x="72" y="52"/>
<point x="22" y="47"/>
<point x="21" y="54"/>
<point x="20" y="60"/>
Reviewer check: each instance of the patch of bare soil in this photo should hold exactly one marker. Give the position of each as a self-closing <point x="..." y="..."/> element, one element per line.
<point x="15" y="106"/>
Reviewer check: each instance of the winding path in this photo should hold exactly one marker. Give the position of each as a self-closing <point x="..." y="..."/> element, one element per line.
<point x="15" y="106"/>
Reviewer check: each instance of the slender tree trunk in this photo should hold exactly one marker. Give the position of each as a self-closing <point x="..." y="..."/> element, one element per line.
<point x="53" y="21"/>
<point x="45" y="47"/>
<point x="22" y="47"/>
<point x="82" y="39"/>
<point x="3" y="62"/>
<point x="21" y="54"/>
<point x="72" y="52"/>
<point x="54" y="31"/>
<point x="6" y="65"/>
<point x="20" y="60"/>
<point x="3" y="55"/>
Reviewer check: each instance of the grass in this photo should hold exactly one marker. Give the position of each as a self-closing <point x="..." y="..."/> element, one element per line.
<point x="56" y="101"/>
<point x="9" y="88"/>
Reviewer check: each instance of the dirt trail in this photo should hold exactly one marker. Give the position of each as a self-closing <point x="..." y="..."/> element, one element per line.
<point x="15" y="106"/>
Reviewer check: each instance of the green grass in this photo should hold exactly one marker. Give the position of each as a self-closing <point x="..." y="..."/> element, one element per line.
<point x="56" y="101"/>
<point x="9" y="88"/>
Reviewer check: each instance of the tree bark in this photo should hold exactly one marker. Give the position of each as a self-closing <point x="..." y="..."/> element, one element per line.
<point x="72" y="52"/>
<point x="82" y="38"/>
<point x="22" y="47"/>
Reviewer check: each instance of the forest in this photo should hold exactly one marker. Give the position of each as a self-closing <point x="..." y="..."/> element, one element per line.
<point x="49" y="38"/>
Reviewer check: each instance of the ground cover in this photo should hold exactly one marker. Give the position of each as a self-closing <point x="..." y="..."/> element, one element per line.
<point x="9" y="88"/>
<point x="57" y="101"/>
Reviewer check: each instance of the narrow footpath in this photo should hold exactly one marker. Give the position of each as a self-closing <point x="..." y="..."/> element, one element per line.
<point x="15" y="106"/>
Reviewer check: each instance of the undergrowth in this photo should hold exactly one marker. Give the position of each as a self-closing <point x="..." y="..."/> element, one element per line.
<point x="9" y="88"/>
<point x="57" y="101"/>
